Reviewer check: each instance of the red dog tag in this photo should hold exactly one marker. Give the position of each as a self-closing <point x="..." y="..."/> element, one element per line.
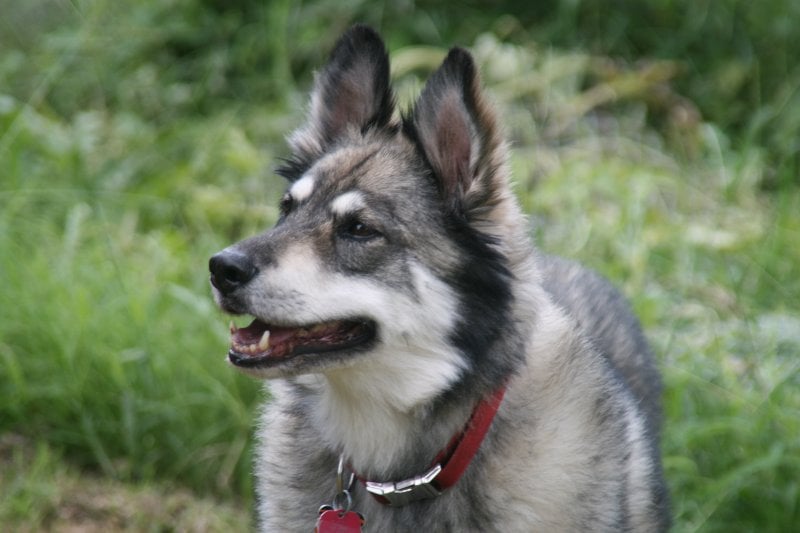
<point x="332" y="521"/>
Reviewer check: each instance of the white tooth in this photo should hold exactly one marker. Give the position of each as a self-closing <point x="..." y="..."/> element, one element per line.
<point x="263" y="344"/>
<point x="233" y="328"/>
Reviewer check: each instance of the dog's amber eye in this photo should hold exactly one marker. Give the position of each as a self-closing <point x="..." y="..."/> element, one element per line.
<point x="356" y="229"/>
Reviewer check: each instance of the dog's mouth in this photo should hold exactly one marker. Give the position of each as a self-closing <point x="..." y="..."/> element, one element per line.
<point x="261" y="344"/>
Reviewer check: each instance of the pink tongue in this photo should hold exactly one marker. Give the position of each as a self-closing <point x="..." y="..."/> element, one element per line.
<point x="253" y="332"/>
<point x="278" y="335"/>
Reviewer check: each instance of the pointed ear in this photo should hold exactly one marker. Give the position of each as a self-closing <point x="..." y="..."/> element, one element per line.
<point x="351" y="91"/>
<point x="457" y="131"/>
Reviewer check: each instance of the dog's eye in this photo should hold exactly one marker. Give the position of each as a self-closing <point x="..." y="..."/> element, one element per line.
<point x="287" y="203"/>
<point x="358" y="230"/>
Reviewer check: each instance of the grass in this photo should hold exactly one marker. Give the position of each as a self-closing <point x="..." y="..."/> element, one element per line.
<point x="131" y="150"/>
<point x="35" y="477"/>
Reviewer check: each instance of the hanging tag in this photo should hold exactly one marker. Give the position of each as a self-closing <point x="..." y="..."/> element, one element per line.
<point x="333" y="521"/>
<point x="338" y="517"/>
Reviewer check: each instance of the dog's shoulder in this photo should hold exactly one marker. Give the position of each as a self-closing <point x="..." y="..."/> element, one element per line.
<point x="605" y="318"/>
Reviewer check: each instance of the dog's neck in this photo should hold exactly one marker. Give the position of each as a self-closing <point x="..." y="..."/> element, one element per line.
<point x="382" y="412"/>
<point x="378" y="413"/>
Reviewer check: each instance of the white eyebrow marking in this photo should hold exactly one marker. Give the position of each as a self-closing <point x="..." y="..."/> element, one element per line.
<point x="347" y="202"/>
<point x="302" y="188"/>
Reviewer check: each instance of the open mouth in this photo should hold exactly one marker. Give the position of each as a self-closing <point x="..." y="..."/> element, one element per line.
<point x="262" y="344"/>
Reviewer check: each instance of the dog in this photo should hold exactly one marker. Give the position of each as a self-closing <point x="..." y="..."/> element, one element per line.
<point x="429" y="369"/>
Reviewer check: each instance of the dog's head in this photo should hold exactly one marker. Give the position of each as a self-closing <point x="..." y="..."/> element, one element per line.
<point x="391" y="243"/>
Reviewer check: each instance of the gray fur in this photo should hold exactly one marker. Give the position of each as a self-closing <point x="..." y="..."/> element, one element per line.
<point x="431" y="248"/>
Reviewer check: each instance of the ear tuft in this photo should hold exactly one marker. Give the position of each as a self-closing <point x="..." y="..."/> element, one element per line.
<point x="351" y="91"/>
<point x="355" y="84"/>
<point x="457" y="131"/>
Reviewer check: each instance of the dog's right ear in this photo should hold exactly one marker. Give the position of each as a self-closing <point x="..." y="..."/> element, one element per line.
<point x="457" y="130"/>
<point x="352" y="91"/>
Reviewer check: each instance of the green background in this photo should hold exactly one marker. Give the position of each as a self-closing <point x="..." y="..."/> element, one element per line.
<point x="655" y="140"/>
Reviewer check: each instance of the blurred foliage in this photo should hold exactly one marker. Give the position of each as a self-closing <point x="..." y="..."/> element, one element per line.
<point x="138" y="137"/>
<point x="737" y="61"/>
<point x="41" y="492"/>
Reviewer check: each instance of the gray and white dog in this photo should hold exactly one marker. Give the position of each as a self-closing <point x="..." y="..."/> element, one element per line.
<point x="414" y="337"/>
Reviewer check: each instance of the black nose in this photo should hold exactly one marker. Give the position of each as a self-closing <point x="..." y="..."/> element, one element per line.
<point x="230" y="270"/>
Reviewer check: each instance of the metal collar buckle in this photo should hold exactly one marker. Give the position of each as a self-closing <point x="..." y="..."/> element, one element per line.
<point x="403" y="492"/>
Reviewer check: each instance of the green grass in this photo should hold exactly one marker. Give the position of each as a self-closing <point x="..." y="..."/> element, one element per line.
<point x="135" y="141"/>
<point x="43" y="492"/>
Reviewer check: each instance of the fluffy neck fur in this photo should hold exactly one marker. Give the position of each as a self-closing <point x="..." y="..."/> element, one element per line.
<point x="382" y="435"/>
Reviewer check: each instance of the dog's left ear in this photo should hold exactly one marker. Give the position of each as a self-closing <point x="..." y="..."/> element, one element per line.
<point x="351" y="91"/>
<point x="457" y="130"/>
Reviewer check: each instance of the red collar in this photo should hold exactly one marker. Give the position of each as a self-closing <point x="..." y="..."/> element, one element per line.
<point x="449" y="464"/>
